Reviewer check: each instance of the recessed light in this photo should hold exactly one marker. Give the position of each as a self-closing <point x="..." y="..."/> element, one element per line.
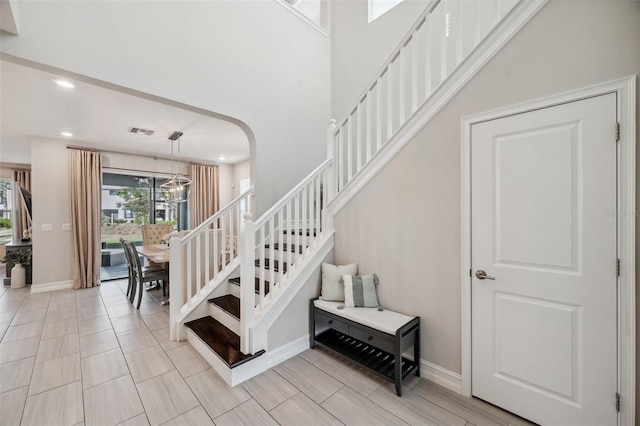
<point x="66" y="134"/>
<point x="221" y="158"/>
<point x="64" y="83"/>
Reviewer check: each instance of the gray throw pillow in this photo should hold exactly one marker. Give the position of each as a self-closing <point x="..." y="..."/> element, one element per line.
<point x="332" y="288"/>
<point x="360" y="291"/>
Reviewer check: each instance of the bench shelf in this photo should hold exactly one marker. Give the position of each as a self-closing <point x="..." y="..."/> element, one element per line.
<point x="372" y="349"/>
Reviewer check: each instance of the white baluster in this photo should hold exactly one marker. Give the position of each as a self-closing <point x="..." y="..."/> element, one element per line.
<point x="207" y="255"/>
<point x="413" y="88"/>
<point x="175" y="286"/>
<point x="427" y="57"/>
<point x="333" y="170"/>
<point x="247" y="281"/>
<point x="349" y="142"/>
<point x="189" y="265"/>
<point x="378" y="114"/>
<point x="272" y="257"/>
<point x="263" y="266"/>
<point x="368" y="127"/>
<point x="389" y="101"/>
<point x="358" y="137"/>
<point x="402" y="69"/>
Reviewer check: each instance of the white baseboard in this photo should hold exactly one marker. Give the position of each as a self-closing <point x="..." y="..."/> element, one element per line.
<point x="286" y="351"/>
<point x="441" y="376"/>
<point x="60" y="285"/>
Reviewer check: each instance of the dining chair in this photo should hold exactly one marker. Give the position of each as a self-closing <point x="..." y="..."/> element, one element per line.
<point x="132" y="272"/>
<point x="152" y="234"/>
<point x="144" y="275"/>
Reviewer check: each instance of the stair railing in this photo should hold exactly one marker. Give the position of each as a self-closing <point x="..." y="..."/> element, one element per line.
<point x="207" y="252"/>
<point x="440" y="40"/>
<point x="284" y="235"/>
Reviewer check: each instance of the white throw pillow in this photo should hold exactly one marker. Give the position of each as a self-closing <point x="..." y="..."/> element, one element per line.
<point x="332" y="288"/>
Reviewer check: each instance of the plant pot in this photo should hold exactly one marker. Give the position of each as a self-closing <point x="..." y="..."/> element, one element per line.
<point x="18" y="276"/>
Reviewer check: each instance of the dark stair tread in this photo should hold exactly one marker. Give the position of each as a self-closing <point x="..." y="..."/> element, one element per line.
<point x="267" y="265"/>
<point x="286" y="247"/>
<point x="224" y="342"/>
<point x="228" y="303"/>
<point x="236" y="281"/>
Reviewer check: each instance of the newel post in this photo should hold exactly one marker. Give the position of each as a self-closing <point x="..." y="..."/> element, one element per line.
<point x="246" y="247"/>
<point x="175" y="286"/>
<point x="332" y="172"/>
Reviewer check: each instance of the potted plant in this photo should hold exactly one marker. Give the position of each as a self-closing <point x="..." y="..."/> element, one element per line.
<point x="20" y="258"/>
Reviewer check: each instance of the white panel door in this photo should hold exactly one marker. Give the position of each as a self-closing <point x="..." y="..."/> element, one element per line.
<point x="543" y="225"/>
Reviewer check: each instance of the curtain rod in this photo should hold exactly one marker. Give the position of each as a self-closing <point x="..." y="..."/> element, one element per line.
<point x="154" y="157"/>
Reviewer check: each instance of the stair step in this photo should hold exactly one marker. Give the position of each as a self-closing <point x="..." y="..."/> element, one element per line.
<point x="224" y="342"/>
<point x="276" y="265"/>
<point x="285" y="247"/>
<point x="228" y="303"/>
<point x="236" y="281"/>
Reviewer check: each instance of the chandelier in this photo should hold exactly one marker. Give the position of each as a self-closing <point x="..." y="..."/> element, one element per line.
<point x="178" y="187"/>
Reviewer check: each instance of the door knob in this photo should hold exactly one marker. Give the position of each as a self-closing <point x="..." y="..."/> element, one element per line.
<point x="482" y="275"/>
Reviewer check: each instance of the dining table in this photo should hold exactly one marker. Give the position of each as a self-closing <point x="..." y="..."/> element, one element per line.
<point x="157" y="253"/>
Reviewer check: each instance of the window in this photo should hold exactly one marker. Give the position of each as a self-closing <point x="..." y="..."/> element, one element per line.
<point x="6" y="198"/>
<point x="378" y="8"/>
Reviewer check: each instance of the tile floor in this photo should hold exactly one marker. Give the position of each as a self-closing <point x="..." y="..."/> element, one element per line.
<point x="88" y="357"/>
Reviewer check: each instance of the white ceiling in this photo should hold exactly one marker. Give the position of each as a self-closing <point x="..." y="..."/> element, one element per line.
<point x="32" y="105"/>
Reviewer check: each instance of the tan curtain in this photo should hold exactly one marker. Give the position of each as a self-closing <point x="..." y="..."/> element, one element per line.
<point x="85" y="177"/>
<point x="204" y="199"/>
<point x="22" y="220"/>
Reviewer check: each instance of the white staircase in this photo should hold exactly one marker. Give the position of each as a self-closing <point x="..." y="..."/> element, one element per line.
<point x="252" y="286"/>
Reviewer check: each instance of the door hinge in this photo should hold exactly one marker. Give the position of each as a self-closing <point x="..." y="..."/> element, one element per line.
<point x="617" y="401"/>
<point x="617" y="131"/>
<point x="617" y="267"/>
<point x="470" y="273"/>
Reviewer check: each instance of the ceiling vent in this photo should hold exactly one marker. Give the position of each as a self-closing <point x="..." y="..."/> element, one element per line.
<point x="141" y="131"/>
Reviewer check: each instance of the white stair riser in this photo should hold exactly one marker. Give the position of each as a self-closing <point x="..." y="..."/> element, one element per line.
<point x="225" y="318"/>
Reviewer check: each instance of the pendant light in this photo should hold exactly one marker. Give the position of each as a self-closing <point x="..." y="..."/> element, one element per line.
<point x="178" y="187"/>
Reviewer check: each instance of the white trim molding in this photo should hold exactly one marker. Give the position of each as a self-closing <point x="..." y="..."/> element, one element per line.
<point x="625" y="88"/>
<point x="441" y="376"/>
<point x="60" y="285"/>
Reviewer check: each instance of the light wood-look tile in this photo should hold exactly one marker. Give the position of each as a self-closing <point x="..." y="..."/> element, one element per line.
<point x="269" y="389"/>
<point x="314" y="355"/>
<point x="163" y="337"/>
<point x="248" y="413"/>
<point x="58" y="346"/>
<point x="91" y="312"/>
<point x="89" y="302"/>
<point x="315" y="383"/>
<point x="136" y="340"/>
<point x="166" y="397"/>
<point x="148" y="363"/>
<point x="93" y="344"/>
<point x="3" y="329"/>
<point x="127" y="323"/>
<point x="12" y="405"/>
<point x="197" y="416"/>
<point x="60" y="406"/>
<point x="87" y="292"/>
<point x="31" y="303"/>
<point x="301" y="410"/>
<point x="187" y="360"/>
<point x="139" y="420"/>
<point x="214" y="394"/>
<point x="23" y="331"/>
<point x="60" y="328"/>
<point x="156" y="321"/>
<point x="19" y="349"/>
<point x="150" y="307"/>
<point x="112" y="402"/>
<point x="55" y="315"/>
<point x="24" y="317"/>
<point x="351" y="408"/>
<point x="115" y="299"/>
<point x="62" y="304"/>
<point x="103" y="368"/>
<point x="55" y="372"/>
<point x="414" y="409"/>
<point x="121" y="310"/>
<point x="479" y="413"/>
<point x="96" y="325"/>
<point x="8" y="316"/>
<point x="16" y="374"/>
<point x="351" y="375"/>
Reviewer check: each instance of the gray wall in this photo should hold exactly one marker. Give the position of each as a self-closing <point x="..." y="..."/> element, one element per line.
<point x="358" y="49"/>
<point x="405" y="224"/>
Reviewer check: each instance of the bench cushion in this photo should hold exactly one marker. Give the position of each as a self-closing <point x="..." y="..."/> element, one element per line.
<point x="386" y="321"/>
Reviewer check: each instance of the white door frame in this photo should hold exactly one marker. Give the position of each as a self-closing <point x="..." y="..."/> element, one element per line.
<point x="625" y="88"/>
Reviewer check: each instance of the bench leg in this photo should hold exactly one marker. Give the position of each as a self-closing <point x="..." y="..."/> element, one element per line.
<point x="398" y="369"/>
<point x="416" y="351"/>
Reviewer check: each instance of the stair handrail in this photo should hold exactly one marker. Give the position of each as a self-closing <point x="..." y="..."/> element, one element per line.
<point x="294" y="222"/>
<point x="198" y="258"/>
